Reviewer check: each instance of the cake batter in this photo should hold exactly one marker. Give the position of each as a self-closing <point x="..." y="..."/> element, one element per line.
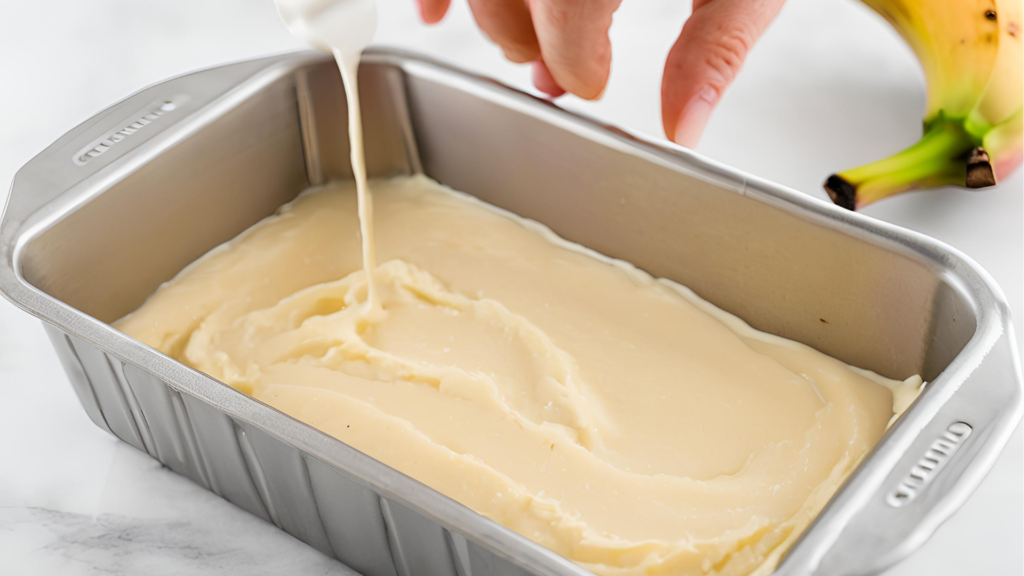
<point x="612" y="417"/>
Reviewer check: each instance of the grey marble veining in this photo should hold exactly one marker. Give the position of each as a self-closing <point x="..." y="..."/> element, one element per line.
<point x="184" y="529"/>
<point x="116" y="544"/>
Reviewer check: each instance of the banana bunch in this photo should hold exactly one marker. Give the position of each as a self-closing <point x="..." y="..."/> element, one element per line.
<point x="972" y="52"/>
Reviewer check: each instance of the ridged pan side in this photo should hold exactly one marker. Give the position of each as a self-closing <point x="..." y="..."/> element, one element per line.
<point x="268" y="478"/>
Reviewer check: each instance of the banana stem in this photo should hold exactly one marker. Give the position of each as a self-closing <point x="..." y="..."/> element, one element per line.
<point x="939" y="158"/>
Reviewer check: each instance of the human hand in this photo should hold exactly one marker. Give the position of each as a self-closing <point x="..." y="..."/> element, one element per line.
<point x="567" y="43"/>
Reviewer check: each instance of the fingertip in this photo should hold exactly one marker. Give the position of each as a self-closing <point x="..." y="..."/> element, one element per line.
<point x="587" y="81"/>
<point x="705" y="59"/>
<point x="520" y="54"/>
<point x="432" y="11"/>
<point x="693" y="118"/>
<point x="592" y="87"/>
<point x="544" y="81"/>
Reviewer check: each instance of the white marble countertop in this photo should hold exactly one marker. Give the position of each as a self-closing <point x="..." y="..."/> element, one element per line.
<point x="829" y="87"/>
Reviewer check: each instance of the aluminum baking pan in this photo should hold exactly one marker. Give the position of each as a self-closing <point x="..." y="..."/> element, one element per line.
<point x="121" y="203"/>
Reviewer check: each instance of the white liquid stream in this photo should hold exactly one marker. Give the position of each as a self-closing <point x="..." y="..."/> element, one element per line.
<point x="349" y="65"/>
<point x="344" y="28"/>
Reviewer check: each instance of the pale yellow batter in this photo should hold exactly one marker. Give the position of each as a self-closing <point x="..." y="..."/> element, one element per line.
<point x="617" y="419"/>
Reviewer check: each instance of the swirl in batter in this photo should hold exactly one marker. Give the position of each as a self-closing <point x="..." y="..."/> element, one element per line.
<point x="613" y="417"/>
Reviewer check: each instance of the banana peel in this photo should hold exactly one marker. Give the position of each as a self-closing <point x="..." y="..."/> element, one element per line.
<point x="972" y="53"/>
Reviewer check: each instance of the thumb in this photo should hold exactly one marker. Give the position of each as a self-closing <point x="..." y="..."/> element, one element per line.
<point x="706" y="58"/>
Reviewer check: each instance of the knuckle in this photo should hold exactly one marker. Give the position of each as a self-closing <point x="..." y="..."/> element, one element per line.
<point x="728" y="50"/>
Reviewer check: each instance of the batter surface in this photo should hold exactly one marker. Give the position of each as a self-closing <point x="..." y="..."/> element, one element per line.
<point x="615" y="418"/>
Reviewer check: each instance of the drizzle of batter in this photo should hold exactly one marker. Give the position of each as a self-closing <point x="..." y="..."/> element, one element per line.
<point x="612" y="417"/>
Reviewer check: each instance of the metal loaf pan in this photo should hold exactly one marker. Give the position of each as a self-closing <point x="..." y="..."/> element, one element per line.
<point x="124" y="201"/>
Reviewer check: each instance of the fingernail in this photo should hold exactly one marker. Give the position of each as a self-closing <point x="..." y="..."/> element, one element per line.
<point x="695" y="117"/>
<point x="544" y="81"/>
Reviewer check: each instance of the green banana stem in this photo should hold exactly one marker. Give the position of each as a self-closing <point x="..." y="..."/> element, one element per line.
<point x="943" y="156"/>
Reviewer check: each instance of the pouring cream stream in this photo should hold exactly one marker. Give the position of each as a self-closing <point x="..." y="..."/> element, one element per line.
<point x="344" y="28"/>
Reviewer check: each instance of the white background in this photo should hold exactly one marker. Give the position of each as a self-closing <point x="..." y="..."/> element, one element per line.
<point x="829" y="87"/>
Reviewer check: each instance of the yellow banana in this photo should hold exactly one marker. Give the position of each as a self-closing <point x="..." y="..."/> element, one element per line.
<point x="972" y="53"/>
